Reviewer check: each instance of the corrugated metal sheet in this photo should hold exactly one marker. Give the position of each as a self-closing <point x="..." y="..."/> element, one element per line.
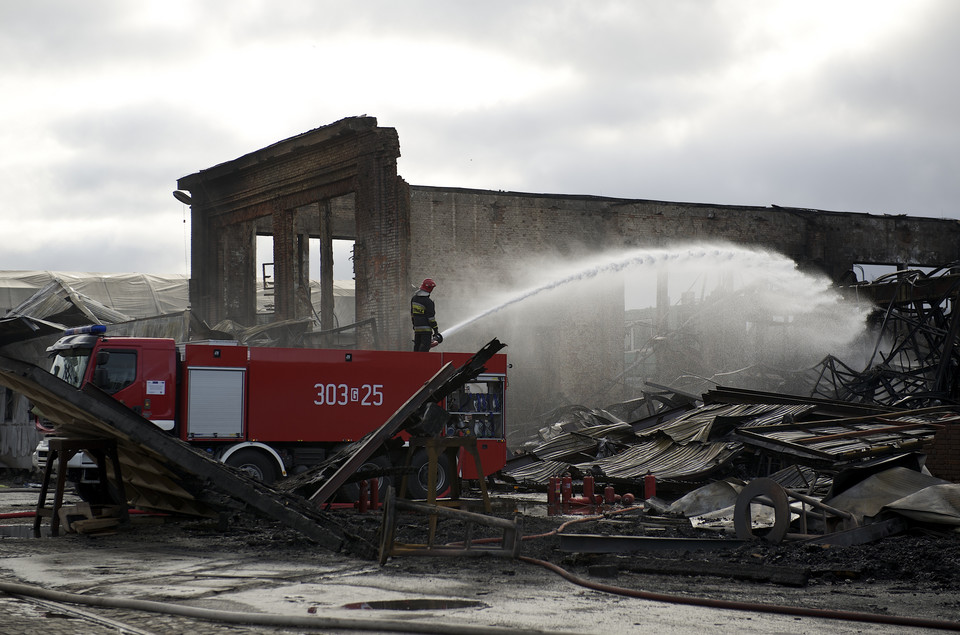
<point x="852" y="439"/>
<point x="587" y="440"/>
<point x="539" y="472"/>
<point x="698" y="443"/>
<point x="671" y="449"/>
<point x="665" y="459"/>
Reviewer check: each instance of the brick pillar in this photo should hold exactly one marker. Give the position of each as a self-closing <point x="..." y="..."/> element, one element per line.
<point x="238" y="272"/>
<point x="204" y="263"/>
<point x="326" y="267"/>
<point x="285" y="257"/>
<point x="382" y="248"/>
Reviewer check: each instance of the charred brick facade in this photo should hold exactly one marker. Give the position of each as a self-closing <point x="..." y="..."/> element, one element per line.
<point x="339" y="181"/>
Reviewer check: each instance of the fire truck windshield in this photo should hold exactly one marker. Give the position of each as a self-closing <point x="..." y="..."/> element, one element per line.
<point x="70" y="365"/>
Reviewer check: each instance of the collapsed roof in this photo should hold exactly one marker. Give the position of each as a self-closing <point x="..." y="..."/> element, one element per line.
<point x="915" y="359"/>
<point x="908" y="391"/>
<point x="734" y="433"/>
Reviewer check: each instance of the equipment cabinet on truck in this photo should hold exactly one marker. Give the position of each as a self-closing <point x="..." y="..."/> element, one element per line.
<point x="275" y="411"/>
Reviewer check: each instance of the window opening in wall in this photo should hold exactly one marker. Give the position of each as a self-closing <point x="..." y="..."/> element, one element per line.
<point x="315" y="259"/>
<point x="265" y="283"/>
<point x="343" y="260"/>
<point x="343" y="275"/>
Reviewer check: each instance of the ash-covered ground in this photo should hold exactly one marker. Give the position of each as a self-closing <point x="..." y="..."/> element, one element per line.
<point x="925" y="556"/>
<point x="916" y="573"/>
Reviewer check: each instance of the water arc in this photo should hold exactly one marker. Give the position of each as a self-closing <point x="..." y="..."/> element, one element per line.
<point x="621" y="261"/>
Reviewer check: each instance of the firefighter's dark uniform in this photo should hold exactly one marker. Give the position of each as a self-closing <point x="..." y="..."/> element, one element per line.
<point x="423" y="314"/>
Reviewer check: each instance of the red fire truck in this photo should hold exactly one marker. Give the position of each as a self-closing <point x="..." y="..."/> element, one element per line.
<point x="277" y="411"/>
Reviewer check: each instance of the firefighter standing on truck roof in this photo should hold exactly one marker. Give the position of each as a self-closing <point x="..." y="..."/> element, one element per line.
<point x="426" y="334"/>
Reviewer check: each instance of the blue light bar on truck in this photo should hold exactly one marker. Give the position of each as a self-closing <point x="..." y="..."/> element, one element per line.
<point x="94" y="329"/>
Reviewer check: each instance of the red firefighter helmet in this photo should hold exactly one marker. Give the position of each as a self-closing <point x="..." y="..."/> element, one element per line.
<point x="427" y="285"/>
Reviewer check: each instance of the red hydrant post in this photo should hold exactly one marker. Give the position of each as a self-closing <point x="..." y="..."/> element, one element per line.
<point x="364" y="494"/>
<point x="553" y="493"/>
<point x="588" y="489"/>
<point x="566" y="491"/>
<point x="649" y="486"/>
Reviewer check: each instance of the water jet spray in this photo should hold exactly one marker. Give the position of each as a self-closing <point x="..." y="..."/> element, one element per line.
<point x="620" y="262"/>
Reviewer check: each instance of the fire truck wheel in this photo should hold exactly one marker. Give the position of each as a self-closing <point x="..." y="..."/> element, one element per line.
<point x="350" y="492"/>
<point x="254" y="464"/>
<point x="418" y="482"/>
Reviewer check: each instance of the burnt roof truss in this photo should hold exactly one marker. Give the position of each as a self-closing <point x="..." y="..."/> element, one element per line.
<point x="915" y="358"/>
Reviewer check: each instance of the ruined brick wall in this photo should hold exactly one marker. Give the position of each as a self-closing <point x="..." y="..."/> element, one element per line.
<point x="943" y="454"/>
<point x="829" y="241"/>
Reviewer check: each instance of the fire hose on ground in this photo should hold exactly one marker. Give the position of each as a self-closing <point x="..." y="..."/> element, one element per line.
<point x="832" y="614"/>
<point x="259" y="619"/>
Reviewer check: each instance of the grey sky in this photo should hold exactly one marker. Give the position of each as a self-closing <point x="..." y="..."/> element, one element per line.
<point x="847" y="106"/>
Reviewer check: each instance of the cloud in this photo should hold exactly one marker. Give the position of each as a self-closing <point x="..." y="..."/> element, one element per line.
<point x="843" y="106"/>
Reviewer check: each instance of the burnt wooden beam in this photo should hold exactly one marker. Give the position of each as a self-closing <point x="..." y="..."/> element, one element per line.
<point x="184" y="476"/>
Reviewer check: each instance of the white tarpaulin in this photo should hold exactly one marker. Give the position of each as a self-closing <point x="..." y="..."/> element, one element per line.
<point x="136" y="295"/>
<point x="140" y="295"/>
